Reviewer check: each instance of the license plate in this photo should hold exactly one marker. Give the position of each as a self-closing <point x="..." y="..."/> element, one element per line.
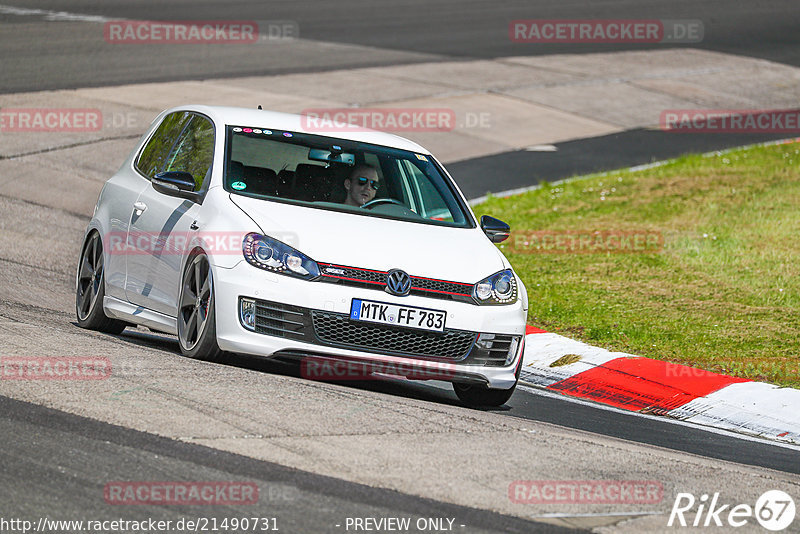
<point x="392" y="314"/>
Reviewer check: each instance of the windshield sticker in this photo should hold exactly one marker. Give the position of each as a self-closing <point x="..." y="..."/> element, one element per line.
<point x="239" y="129"/>
<point x="423" y="158"/>
<point x="238" y="185"/>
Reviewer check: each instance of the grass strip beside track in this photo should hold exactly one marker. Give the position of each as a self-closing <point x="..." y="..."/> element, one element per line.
<point x="719" y="291"/>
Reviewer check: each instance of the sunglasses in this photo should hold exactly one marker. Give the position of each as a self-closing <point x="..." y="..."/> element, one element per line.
<point x="374" y="184"/>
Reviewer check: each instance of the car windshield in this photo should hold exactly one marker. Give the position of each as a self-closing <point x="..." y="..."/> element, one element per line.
<point x="341" y="175"/>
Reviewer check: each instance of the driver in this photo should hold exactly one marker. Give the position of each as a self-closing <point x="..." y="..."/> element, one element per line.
<point x="361" y="185"/>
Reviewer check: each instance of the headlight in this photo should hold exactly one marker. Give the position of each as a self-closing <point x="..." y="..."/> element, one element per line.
<point x="272" y="255"/>
<point x="500" y="288"/>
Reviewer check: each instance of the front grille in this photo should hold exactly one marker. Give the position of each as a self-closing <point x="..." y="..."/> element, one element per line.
<point x="351" y="274"/>
<point x="282" y="320"/>
<point x="440" y="286"/>
<point x="336" y="329"/>
<point x="426" y="287"/>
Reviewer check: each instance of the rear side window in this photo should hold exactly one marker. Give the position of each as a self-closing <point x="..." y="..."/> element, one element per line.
<point x="155" y="153"/>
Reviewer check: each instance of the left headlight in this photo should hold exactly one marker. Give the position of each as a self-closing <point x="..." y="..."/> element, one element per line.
<point x="270" y="254"/>
<point x="500" y="288"/>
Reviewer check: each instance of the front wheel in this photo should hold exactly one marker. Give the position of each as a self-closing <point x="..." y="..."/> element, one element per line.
<point x="197" y="332"/>
<point x="474" y="395"/>
<point x="480" y="395"/>
<point x="90" y="290"/>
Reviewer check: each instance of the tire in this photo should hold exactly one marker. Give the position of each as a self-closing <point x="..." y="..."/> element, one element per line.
<point x="197" y="329"/>
<point x="477" y="395"/>
<point x="90" y="288"/>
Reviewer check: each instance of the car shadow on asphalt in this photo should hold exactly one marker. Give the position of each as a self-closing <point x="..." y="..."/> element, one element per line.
<point x="436" y="392"/>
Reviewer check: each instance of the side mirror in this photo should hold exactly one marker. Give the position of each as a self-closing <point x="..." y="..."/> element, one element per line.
<point x="496" y="230"/>
<point x="176" y="184"/>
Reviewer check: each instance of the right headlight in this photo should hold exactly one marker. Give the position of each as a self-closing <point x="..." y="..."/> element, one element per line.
<point x="500" y="288"/>
<point x="270" y="254"/>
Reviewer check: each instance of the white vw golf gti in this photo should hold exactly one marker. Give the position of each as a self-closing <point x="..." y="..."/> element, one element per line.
<point x="240" y="230"/>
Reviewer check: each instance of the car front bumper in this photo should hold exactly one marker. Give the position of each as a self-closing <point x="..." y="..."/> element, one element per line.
<point x="316" y="314"/>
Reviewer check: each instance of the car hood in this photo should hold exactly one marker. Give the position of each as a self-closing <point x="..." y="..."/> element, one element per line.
<point x="445" y="253"/>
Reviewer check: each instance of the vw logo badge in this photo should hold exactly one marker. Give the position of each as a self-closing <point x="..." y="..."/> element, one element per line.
<point x="398" y="283"/>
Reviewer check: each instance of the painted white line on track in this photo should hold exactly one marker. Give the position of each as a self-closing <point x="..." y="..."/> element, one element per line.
<point x="52" y="16"/>
<point x="714" y="430"/>
<point x="542" y="148"/>
<point x="561" y="515"/>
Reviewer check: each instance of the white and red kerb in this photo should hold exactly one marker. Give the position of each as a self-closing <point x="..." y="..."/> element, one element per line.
<point x="652" y="386"/>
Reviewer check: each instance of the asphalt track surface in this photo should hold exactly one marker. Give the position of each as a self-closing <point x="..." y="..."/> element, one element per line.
<point x="40" y="55"/>
<point x="55" y="454"/>
<point x="524" y="168"/>
<point x="57" y="464"/>
<point x="528" y="404"/>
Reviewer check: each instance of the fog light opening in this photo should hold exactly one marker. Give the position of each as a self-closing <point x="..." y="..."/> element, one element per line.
<point x="247" y="312"/>
<point x="512" y="351"/>
<point x="485" y="341"/>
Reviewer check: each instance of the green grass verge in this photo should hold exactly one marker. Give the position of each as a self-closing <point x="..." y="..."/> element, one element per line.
<point x="722" y="293"/>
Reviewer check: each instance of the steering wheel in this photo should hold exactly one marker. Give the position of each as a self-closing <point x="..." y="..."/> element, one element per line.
<point x="378" y="201"/>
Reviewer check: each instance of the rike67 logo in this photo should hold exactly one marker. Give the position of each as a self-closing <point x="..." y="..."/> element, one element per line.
<point x="774" y="510"/>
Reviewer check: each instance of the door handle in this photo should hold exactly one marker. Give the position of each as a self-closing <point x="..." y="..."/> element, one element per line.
<point x="139" y="205"/>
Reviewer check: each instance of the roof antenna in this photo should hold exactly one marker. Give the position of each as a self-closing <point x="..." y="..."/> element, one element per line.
<point x="259" y="106"/>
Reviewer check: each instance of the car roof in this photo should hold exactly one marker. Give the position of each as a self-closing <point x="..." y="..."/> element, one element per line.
<point x="235" y="116"/>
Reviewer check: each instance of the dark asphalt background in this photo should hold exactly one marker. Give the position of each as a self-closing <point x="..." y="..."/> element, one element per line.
<point x="520" y="168"/>
<point x="43" y="55"/>
<point x="56" y="465"/>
